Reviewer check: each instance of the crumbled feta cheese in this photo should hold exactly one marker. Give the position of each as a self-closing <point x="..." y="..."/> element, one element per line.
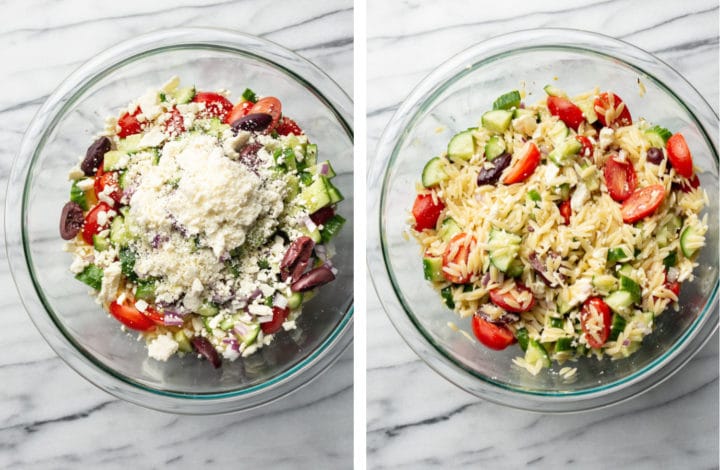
<point x="85" y="184"/>
<point x="162" y="347"/>
<point x="141" y="305"/>
<point x="149" y="103"/>
<point x="75" y="173"/>
<point x="606" y="137"/>
<point x="152" y="138"/>
<point x="110" y="283"/>
<point x="260" y="310"/>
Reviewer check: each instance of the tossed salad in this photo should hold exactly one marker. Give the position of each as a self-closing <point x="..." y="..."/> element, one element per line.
<point x="563" y="226"/>
<point x="200" y="223"/>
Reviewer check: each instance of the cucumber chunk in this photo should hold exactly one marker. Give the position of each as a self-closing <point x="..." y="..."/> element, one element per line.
<point x="92" y="275"/>
<point x="295" y="300"/>
<point x="554" y="91"/>
<point x="78" y="195"/>
<point x="536" y="352"/>
<point x="503" y="248"/>
<point x="447" y="295"/>
<point x="666" y="233"/>
<point x="604" y="282"/>
<point x="657" y="136"/>
<point x="310" y="155"/>
<point x="331" y="228"/>
<point x="617" y="326"/>
<point x="249" y="338"/>
<point x="494" y="148"/>
<point x="618" y="254"/>
<point x="115" y="160"/>
<point x="691" y="241"/>
<point x="100" y="243"/>
<point x="315" y="196"/>
<point x="182" y="341"/>
<point x="628" y="285"/>
<point x="145" y="289"/>
<point x="324" y="166"/>
<point x="522" y="338"/>
<point x="184" y="95"/>
<point x="127" y="263"/>
<point x="434" y="172"/>
<point x="508" y="100"/>
<point x="207" y="310"/>
<point x="619" y="301"/>
<point x="562" y="153"/>
<point x="461" y="146"/>
<point x="333" y="192"/>
<point x="497" y="120"/>
<point x="120" y="232"/>
<point x="534" y="195"/>
<point x="520" y="112"/>
<point x="587" y="106"/>
<point x="670" y="260"/>
<point x="515" y="269"/>
<point x="448" y="229"/>
<point x="555" y="322"/>
<point x="558" y="133"/>
<point x="563" y="344"/>
<point x="130" y="143"/>
<point x="432" y="268"/>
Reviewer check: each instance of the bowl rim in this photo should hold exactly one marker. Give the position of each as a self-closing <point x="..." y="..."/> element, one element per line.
<point x="382" y="274"/>
<point x="19" y="258"/>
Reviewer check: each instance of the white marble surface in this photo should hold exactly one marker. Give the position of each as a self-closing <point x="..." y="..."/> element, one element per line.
<point x="418" y="420"/>
<point x="50" y="417"/>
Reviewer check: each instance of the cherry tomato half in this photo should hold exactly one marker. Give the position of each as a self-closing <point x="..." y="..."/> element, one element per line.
<point x="457" y="252"/>
<point x="595" y="321"/>
<point x="510" y="301"/>
<point x="157" y="317"/>
<point x="175" y="124"/>
<point x="492" y="335"/>
<point x="104" y="179"/>
<point x="689" y="184"/>
<point x="679" y="155"/>
<point x="525" y="165"/>
<point x="620" y="178"/>
<point x="565" y="110"/>
<point x="642" y="203"/>
<point x="91" y="226"/>
<point x="587" y="146"/>
<point x="426" y="211"/>
<point x="129" y="124"/>
<point x="610" y="100"/>
<point x="269" y="105"/>
<point x="565" y="211"/>
<point x="131" y="317"/>
<point x="241" y="109"/>
<point x="216" y="105"/>
<point x="273" y="326"/>
<point x="287" y="126"/>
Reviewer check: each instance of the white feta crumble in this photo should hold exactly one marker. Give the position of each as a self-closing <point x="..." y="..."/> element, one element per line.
<point x="141" y="305"/>
<point x="606" y="137"/>
<point x="75" y="173"/>
<point x="110" y="283"/>
<point x="162" y="347"/>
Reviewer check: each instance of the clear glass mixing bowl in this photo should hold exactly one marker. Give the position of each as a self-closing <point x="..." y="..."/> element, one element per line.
<point x="78" y="329"/>
<point x="452" y="98"/>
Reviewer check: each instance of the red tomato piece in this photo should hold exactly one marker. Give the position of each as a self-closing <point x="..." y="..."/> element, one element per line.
<point x="492" y="335"/>
<point x="157" y="317"/>
<point x="426" y="211"/>
<point x="216" y="105"/>
<point x="91" y="226"/>
<point x="673" y="287"/>
<point x="131" y="317"/>
<point x="511" y="301"/>
<point x="273" y="326"/>
<point x="241" y="109"/>
<point x="129" y="124"/>
<point x="566" y="111"/>
<point x="565" y="211"/>
<point x="525" y="165"/>
<point x="269" y="105"/>
<point x="287" y="126"/>
<point x="608" y="100"/>
<point x="103" y="179"/>
<point x="175" y="124"/>
<point x="642" y="203"/>
<point x="679" y="155"/>
<point x="587" y="146"/>
<point x="595" y="321"/>
<point x="457" y="252"/>
<point x="689" y="184"/>
<point x="620" y="178"/>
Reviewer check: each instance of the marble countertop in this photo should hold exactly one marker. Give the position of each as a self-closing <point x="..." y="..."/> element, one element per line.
<point x="415" y="418"/>
<point x="50" y="417"/>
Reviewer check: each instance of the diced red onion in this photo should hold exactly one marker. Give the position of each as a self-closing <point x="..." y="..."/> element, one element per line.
<point x="240" y="329"/>
<point x="333" y="270"/>
<point x="280" y="301"/>
<point x="626" y="342"/>
<point x="324" y="169"/>
<point x="233" y="343"/>
<point x="172" y="320"/>
<point x="321" y="252"/>
<point x="486" y="279"/>
<point x="309" y="224"/>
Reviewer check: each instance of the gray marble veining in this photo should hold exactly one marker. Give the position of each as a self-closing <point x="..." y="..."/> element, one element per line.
<point x="50" y="417"/>
<point x="415" y="418"/>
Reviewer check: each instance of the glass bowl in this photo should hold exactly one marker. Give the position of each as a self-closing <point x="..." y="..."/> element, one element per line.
<point x="451" y="99"/>
<point x="75" y="327"/>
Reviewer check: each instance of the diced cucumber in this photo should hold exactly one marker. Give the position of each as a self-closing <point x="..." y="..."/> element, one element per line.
<point x="563" y="344"/>
<point x="434" y="172"/>
<point x="127" y="263"/>
<point x="657" y="136"/>
<point x="536" y="353"/>
<point x="315" y="196"/>
<point x="628" y="285"/>
<point x="326" y="167"/>
<point x="295" y="300"/>
<point x="182" y="341"/>
<point x="448" y="229"/>
<point x="617" y="326"/>
<point x="331" y="228"/>
<point x="618" y="254"/>
<point x="587" y="106"/>
<point x="555" y="322"/>
<point x="100" y="243"/>
<point x="461" y="146"/>
<point x="207" y="310"/>
<point x="315" y="234"/>
<point x="515" y="269"/>
<point x="503" y="248"/>
<point x="497" y="120"/>
<point x="333" y="192"/>
<point x="534" y="195"/>
<point x="619" y="301"/>
<point x="250" y="337"/>
<point x="558" y="133"/>
<point x="670" y="260"/>
<point x="92" y="275"/>
<point x="626" y="270"/>
<point x="604" y="282"/>
<point x="520" y="112"/>
<point x="184" y="95"/>
<point x="691" y="241"/>
<point x="120" y="234"/>
<point x="522" y="338"/>
<point x="115" y="160"/>
<point x="310" y="155"/>
<point x="666" y="233"/>
<point x="78" y="195"/>
<point x="494" y="148"/>
<point x="212" y="126"/>
<point x="562" y="153"/>
<point x="130" y="143"/>
<point x="564" y="306"/>
<point x="554" y="91"/>
<point x="432" y="268"/>
<point x="508" y="100"/>
<point x="122" y="180"/>
<point x="563" y="191"/>
<point x="447" y="295"/>
<point x="227" y="323"/>
<point x="145" y="289"/>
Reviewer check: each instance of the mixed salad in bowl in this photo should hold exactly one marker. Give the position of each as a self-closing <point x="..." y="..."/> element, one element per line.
<point x="202" y="224"/>
<point x="565" y="226"/>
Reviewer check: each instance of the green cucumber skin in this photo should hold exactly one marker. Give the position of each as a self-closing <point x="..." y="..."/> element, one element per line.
<point x="507" y="101"/>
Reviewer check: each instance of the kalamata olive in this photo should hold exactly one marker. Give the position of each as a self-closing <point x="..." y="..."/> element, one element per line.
<point x="504" y="319"/>
<point x="321" y="216"/>
<point x="492" y="175"/>
<point x="206" y="349"/>
<point x="94" y="156"/>
<point x="550" y="279"/>
<point x="312" y="279"/>
<point x="295" y="260"/>
<point x="655" y="155"/>
<point x="256" y="122"/>
<point x="71" y="220"/>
